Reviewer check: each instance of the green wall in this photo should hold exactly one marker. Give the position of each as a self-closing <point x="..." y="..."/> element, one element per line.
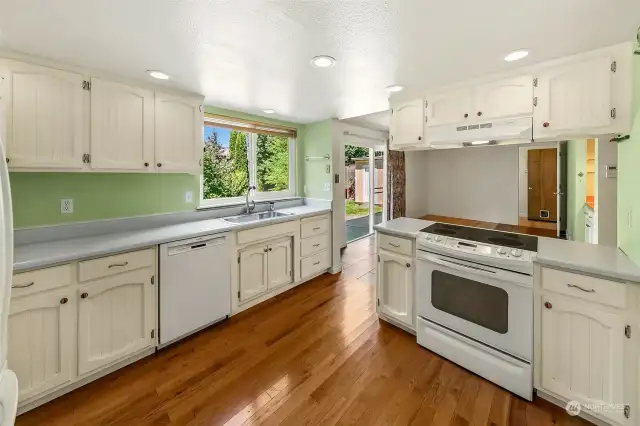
<point x="36" y="196"/>
<point x="317" y="141"/>
<point x="576" y="188"/>
<point x="629" y="180"/>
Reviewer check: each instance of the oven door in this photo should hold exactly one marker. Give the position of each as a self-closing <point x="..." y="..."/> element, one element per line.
<point x="489" y="305"/>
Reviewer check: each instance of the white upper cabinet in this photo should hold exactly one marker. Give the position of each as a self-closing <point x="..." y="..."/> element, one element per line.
<point x="407" y="124"/>
<point x="43" y="114"/>
<point x="588" y="96"/>
<point x="121" y="127"/>
<point x="179" y="127"/>
<point x="511" y="97"/>
<point x="450" y="107"/>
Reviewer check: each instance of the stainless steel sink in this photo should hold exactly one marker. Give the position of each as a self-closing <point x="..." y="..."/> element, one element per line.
<point x="254" y="217"/>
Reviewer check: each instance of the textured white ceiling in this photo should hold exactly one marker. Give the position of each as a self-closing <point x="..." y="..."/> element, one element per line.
<point x="254" y="54"/>
<point x="376" y="121"/>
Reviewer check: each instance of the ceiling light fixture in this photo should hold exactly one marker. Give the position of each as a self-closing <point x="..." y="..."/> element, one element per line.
<point x="269" y="111"/>
<point x="516" y="56"/>
<point x="158" y="74"/>
<point x="394" y="88"/>
<point x="323" y="61"/>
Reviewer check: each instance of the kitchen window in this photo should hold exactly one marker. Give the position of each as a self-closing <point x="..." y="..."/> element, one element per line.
<point x="239" y="154"/>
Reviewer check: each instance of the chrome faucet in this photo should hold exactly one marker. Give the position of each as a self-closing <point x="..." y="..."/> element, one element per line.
<point x="252" y="208"/>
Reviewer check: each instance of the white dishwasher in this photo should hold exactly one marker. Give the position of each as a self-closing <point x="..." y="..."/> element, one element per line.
<point x="194" y="285"/>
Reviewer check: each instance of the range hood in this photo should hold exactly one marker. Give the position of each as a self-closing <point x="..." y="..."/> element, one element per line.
<point x="508" y="131"/>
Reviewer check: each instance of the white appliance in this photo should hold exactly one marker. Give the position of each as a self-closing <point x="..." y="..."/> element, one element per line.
<point x="195" y="285"/>
<point x="474" y="300"/>
<point x="511" y="130"/>
<point x="8" y="379"/>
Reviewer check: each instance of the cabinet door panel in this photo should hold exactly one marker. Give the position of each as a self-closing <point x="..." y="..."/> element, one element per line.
<point x="279" y="264"/>
<point x="574" y="98"/>
<point x="395" y="287"/>
<point x="121" y="127"/>
<point x="116" y="318"/>
<point x="179" y="134"/>
<point x="41" y="341"/>
<point x="43" y="116"/>
<point x="407" y="123"/>
<point x="511" y="97"/>
<point x="253" y="272"/>
<point x="450" y="107"/>
<point x="582" y="353"/>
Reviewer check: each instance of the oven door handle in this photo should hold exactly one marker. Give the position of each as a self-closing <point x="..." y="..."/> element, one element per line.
<point x="498" y="275"/>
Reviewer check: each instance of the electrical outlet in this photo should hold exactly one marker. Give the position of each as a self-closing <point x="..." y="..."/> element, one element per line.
<point x="188" y="197"/>
<point x="327" y="186"/>
<point x="66" y="206"/>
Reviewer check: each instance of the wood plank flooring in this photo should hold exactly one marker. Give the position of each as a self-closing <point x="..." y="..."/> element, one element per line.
<point x="529" y="230"/>
<point x="314" y="355"/>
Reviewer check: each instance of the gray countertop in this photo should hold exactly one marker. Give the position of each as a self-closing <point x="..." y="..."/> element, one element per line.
<point x="593" y="259"/>
<point x="39" y="255"/>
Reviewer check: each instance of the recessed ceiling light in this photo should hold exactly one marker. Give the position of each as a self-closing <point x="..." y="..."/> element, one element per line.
<point x="158" y="74"/>
<point x="323" y="61"/>
<point x="269" y="111"/>
<point x="394" y="88"/>
<point x="517" y="55"/>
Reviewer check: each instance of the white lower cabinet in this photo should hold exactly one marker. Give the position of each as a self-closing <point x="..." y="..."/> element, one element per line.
<point x="116" y="318"/>
<point x="395" y="287"/>
<point x="41" y="340"/>
<point x="279" y="260"/>
<point x="264" y="267"/>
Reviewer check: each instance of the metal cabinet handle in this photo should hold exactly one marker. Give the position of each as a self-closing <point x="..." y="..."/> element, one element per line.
<point x="120" y="265"/>
<point x="270" y="248"/>
<point x="315" y="229"/>
<point x="479" y="113"/>
<point x="146" y="164"/>
<point x="394" y="245"/>
<point x="316" y="245"/>
<point x="159" y="164"/>
<point x="581" y="288"/>
<point x="24" y="286"/>
<point x="316" y="263"/>
<point x="84" y="295"/>
<point x="466" y="115"/>
<point x="265" y="250"/>
<point x="408" y="265"/>
<point x="63" y="301"/>
<point x="547" y="305"/>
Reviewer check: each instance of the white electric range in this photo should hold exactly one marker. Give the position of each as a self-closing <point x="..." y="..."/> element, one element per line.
<point x="474" y="300"/>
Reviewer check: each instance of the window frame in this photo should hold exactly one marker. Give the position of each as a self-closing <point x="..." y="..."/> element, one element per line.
<point x="252" y="130"/>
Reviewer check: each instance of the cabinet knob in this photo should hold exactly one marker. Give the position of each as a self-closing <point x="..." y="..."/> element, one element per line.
<point x="270" y="248"/>
<point x="146" y="164"/>
<point x="479" y="113"/>
<point x="266" y="250"/>
<point x="84" y="295"/>
<point x="466" y="116"/>
<point x="547" y="305"/>
<point x="545" y="124"/>
<point x="159" y="164"/>
<point x="408" y="265"/>
<point x="419" y="138"/>
<point x="63" y="300"/>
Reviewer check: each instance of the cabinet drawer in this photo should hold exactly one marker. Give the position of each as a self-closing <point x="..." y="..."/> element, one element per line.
<point x="112" y="265"/>
<point x="40" y="280"/>
<point x="314" y="227"/>
<point x="399" y="245"/>
<point x="314" y="264"/>
<point x="313" y="245"/>
<point x="584" y="287"/>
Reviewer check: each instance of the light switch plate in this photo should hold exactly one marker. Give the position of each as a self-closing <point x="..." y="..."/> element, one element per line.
<point x="188" y="197"/>
<point x="327" y="186"/>
<point x="66" y="206"/>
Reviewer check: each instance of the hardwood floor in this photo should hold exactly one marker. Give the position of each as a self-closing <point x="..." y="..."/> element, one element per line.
<point x="314" y="355"/>
<point x="529" y="230"/>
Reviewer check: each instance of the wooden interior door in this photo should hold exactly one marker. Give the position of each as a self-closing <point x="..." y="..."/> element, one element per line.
<point x="542" y="166"/>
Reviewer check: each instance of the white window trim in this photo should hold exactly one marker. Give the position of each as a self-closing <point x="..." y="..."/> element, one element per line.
<point x="255" y="195"/>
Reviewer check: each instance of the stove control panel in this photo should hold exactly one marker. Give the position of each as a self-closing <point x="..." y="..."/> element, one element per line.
<point x="454" y="244"/>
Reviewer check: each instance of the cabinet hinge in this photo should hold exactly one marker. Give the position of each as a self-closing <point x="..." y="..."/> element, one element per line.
<point x="238" y="294"/>
<point x="153" y="334"/>
<point x="535" y="101"/>
<point x="614" y="66"/>
<point x="627" y="331"/>
<point x="613" y="113"/>
<point x="535" y="82"/>
<point x="627" y="411"/>
<point x="153" y="279"/>
<point x="378" y="258"/>
<point x="426" y="104"/>
<point x="238" y="260"/>
<point x="378" y="302"/>
<point x="86" y="85"/>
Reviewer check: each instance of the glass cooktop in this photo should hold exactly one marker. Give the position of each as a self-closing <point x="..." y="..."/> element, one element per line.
<point x="487" y="236"/>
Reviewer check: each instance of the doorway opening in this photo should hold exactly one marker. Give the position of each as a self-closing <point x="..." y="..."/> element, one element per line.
<point x="364" y="172"/>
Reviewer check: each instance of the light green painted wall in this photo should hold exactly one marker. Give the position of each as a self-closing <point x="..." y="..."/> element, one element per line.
<point x="317" y="141"/>
<point x="629" y="180"/>
<point x="576" y="188"/>
<point x="36" y="196"/>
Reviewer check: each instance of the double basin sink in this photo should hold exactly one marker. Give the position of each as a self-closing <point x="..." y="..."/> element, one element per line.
<point x="255" y="217"/>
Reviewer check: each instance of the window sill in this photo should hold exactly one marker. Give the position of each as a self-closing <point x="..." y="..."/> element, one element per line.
<point x="234" y="203"/>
